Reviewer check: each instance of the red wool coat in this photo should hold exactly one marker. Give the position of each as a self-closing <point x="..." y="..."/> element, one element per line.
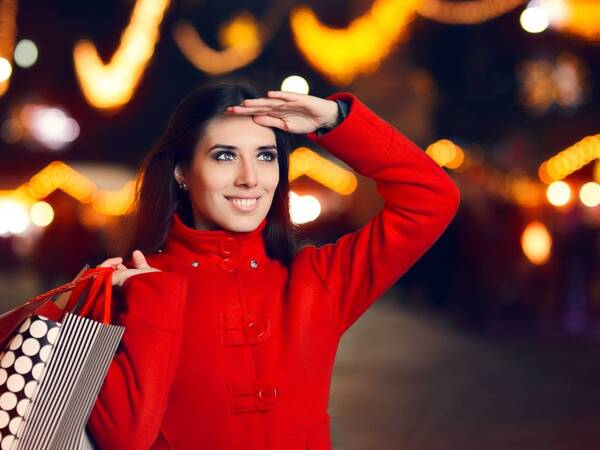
<point x="227" y="349"/>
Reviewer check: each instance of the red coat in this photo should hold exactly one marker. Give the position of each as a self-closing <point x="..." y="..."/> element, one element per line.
<point x="227" y="349"/>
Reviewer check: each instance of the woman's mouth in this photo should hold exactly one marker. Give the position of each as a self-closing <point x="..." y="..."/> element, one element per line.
<point x="244" y="204"/>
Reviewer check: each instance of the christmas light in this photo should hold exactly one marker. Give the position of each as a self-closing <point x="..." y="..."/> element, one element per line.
<point x="295" y="83"/>
<point x="304" y="161"/>
<point x="536" y="243"/>
<point x="589" y="194"/>
<point x="465" y="12"/>
<point x="558" y="193"/>
<point x="341" y="54"/>
<point x="26" y="53"/>
<point x="570" y="160"/>
<point x="112" y="85"/>
<point x="8" y="17"/>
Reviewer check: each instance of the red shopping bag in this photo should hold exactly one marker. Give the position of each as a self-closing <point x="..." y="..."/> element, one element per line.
<point x="85" y="290"/>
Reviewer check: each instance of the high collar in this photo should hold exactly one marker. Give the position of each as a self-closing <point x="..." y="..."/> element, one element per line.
<point x="216" y="248"/>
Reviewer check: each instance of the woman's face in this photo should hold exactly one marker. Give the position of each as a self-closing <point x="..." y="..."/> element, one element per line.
<point x="235" y="158"/>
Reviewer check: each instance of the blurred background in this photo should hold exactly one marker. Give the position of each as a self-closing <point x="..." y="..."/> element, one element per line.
<point x="491" y="339"/>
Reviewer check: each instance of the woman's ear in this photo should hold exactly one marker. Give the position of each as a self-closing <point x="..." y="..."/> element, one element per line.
<point x="178" y="174"/>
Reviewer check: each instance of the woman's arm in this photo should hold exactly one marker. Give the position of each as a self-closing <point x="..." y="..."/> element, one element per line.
<point x="131" y="404"/>
<point x="420" y="200"/>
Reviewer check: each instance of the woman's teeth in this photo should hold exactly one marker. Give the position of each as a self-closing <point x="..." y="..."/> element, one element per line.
<point x="244" y="204"/>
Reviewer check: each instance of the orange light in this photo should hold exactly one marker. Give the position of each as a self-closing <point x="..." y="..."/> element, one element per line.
<point x="536" y="243"/>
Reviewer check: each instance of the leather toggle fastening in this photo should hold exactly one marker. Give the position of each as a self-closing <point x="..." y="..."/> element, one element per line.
<point x="249" y="329"/>
<point x="252" y="396"/>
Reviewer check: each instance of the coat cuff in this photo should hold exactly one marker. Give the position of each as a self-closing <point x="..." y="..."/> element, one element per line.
<point x="343" y="108"/>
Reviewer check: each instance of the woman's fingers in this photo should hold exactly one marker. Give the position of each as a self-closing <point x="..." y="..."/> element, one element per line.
<point x="263" y="106"/>
<point x="268" y="102"/>
<point x="139" y="260"/>
<point x="111" y="262"/>
<point x="269" y="121"/>
<point x="285" y="95"/>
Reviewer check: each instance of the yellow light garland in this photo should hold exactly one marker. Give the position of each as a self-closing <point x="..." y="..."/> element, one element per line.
<point x="304" y="161"/>
<point x="570" y="160"/>
<point x="112" y="85"/>
<point x="341" y="54"/>
<point x="8" y="18"/>
<point x="58" y="175"/>
<point x="241" y="38"/>
<point x="582" y="19"/>
<point x="466" y="12"/>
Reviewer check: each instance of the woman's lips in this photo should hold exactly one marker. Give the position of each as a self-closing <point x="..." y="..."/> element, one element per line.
<point x="243" y="205"/>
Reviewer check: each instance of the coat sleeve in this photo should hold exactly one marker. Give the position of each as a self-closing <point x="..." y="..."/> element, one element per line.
<point x="131" y="404"/>
<point x="420" y="200"/>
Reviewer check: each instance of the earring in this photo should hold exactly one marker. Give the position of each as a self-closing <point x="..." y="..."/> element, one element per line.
<point x="183" y="186"/>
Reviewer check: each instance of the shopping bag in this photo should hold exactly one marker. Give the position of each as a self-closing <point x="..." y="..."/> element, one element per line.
<point x="55" y="363"/>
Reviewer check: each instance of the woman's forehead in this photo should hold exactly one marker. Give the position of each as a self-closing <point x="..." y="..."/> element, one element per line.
<point x="234" y="130"/>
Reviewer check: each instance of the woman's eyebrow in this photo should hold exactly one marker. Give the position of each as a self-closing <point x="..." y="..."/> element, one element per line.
<point x="233" y="147"/>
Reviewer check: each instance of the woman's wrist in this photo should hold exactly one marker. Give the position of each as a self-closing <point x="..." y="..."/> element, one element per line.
<point x="337" y="118"/>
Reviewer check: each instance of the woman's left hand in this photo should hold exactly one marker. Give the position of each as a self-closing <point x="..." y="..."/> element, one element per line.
<point x="289" y="111"/>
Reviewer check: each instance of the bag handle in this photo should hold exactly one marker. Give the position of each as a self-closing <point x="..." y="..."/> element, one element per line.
<point x="102" y="276"/>
<point x="64" y="288"/>
<point x="104" y="281"/>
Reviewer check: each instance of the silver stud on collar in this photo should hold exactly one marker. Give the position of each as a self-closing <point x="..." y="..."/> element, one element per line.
<point x="194" y="263"/>
<point x="253" y="264"/>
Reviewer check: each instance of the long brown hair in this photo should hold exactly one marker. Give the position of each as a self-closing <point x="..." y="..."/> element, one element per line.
<point x="158" y="196"/>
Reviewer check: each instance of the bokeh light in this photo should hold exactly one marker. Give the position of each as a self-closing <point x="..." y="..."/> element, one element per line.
<point x="536" y="243"/>
<point x="304" y="208"/>
<point x="558" y="193"/>
<point x="26" y="53"/>
<point x="589" y="194"/>
<point x="13" y="217"/>
<point x="534" y="19"/>
<point x="41" y="214"/>
<point x="50" y="126"/>
<point x="5" y="69"/>
<point x="295" y="83"/>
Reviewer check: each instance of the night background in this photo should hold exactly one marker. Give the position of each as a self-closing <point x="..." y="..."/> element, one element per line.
<point x="491" y="339"/>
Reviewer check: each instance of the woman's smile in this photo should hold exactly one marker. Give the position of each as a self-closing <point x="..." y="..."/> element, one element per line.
<point x="244" y="204"/>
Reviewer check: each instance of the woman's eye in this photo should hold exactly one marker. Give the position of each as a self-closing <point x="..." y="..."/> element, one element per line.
<point x="272" y="155"/>
<point x="218" y="155"/>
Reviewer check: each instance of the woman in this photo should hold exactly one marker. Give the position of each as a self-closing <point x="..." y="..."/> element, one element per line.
<point x="231" y="330"/>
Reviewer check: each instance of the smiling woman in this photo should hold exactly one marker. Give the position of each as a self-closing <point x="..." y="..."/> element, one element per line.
<point x="227" y="347"/>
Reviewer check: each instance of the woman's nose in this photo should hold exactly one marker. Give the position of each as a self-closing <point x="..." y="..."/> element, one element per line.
<point x="247" y="173"/>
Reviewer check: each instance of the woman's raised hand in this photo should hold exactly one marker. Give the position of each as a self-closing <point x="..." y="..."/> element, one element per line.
<point x="122" y="273"/>
<point x="289" y="111"/>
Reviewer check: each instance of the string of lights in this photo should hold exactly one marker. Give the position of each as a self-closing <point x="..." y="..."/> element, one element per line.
<point x="465" y="12"/>
<point x="109" y="86"/>
<point x="8" y="16"/>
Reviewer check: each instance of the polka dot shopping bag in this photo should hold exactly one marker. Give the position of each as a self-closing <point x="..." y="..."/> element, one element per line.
<point x="53" y="364"/>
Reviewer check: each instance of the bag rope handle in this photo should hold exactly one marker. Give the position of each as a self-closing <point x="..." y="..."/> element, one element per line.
<point x="102" y="276"/>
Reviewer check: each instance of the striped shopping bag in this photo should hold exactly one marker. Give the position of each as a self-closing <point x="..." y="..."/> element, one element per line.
<point x="54" y="365"/>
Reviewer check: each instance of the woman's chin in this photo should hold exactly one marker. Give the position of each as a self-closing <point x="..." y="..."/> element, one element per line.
<point x="242" y="224"/>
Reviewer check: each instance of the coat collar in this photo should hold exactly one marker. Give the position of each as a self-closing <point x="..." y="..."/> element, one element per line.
<point x="225" y="249"/>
